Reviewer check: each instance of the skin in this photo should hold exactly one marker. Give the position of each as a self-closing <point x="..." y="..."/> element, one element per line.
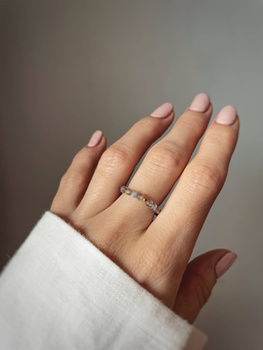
<point x="155" y="253"/>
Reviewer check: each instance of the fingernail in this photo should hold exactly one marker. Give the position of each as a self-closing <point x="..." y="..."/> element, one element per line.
<point x="95" y="138"/>
<point x="227" y="115"/>
<point x="224" y="263"/>
<point x="163" y="111"/>
<point x="200" y="103"/>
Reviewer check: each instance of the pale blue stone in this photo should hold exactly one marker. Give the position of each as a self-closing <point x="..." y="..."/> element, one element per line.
<point x="134" y="194"/>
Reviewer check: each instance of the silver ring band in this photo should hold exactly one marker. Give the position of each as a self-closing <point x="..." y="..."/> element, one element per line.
<point x="153" y="206"/>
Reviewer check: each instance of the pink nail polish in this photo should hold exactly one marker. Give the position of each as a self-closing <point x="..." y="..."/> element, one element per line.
<point x="227" y="115"/>
<point x="224" y="263"/>
<point x="95" y="138"/>
<point x="163" y="111"/>
<point x="200" y="103"/>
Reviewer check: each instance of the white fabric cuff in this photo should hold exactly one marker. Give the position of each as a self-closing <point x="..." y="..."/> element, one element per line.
<point x="61" y="292"/>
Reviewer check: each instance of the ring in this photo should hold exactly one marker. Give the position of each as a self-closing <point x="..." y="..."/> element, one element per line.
<point x="153" y="206"/>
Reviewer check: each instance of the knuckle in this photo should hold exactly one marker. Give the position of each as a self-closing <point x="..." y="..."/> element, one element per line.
<point x="73" y="177"/>
<point x="205" y="177"/>
<point x="200" y="289"/>
<point x="198" y="118"/>
<point x="166" y="157"/>
<point x="114" y="158"/>
<point x="199" y="122"/>
<point x="146" y="123"/>
<point x="83" y="157"/>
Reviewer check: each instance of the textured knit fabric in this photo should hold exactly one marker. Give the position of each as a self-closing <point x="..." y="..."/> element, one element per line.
<point x="60" y="292"/>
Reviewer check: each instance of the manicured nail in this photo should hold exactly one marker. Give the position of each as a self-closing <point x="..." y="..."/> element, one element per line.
<point x="163" y="111"/>
<point x="95" y="138"/>
<point x="227" y="115"/>
<point x="224" y="263"/>
<point x="200" y="103"/>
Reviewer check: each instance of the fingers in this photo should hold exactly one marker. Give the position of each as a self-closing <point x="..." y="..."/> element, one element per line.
<point x="74" y="182"/>
<point x="199" y="279"/>
<point x="165" y="161"/>
<point x="118" y="162"/>
<point x="184" y="213"/>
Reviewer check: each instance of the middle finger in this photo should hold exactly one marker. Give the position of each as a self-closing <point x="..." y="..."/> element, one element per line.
<point x="166" y="160"/>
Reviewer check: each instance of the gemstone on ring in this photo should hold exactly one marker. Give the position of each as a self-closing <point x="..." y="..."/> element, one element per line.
<point x="150" y="204"/>
<point x="134" y="194"/>
<point x="140" y="197"/>
<point x="123" y="189"/>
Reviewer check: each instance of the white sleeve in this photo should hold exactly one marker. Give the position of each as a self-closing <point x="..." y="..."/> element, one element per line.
<point x="60" y="292"/>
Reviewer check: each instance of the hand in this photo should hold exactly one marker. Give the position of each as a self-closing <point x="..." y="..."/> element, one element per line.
<point x="156" y="252"/>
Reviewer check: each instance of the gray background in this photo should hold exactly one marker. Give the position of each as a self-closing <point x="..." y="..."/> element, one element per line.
<point x="69" y="68"/>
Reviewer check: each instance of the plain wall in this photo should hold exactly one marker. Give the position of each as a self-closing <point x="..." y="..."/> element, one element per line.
<point x="69" y="68"/>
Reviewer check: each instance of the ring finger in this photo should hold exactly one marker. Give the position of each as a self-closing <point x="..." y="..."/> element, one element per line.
<point x="166" y="160"/>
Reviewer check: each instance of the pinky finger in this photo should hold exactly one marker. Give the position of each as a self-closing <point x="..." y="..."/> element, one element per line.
<point x="75" y="181"/>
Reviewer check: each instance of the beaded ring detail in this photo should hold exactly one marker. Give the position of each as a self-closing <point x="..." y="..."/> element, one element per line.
<point x="153" y="206"/>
